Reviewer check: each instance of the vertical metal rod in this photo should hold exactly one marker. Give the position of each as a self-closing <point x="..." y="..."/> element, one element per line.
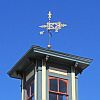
<point x="49" y="40"/>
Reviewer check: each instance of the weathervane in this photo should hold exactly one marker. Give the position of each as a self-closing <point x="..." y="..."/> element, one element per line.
<point x="50" y="27"/>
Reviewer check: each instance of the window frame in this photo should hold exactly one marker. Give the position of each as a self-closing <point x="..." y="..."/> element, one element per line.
<point x="29" y="85"/>
<point x="58" y="82"/>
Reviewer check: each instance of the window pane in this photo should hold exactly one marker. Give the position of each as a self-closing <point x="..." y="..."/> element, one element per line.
<point x="62" y="86"/>
<point x="53" y="85"/>
<point x="33" y="98"/>
<point x="32" y="88"/>
<point x="28" y="91"/>
<point x="52" y="96"/>
<point x="62" y="97"/>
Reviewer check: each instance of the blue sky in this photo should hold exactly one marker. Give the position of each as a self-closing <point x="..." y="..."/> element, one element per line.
<point x="19" y="21"/>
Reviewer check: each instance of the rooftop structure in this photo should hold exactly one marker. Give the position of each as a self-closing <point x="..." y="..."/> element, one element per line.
<point x="49" y="75"/>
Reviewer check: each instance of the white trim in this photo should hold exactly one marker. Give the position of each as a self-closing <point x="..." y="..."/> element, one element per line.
<point x="55" y="55"/>
<point x="58" y="72"/>
<point x="43" y="80"/>
<point x="35" y="83"/>
<point x="29" y="75"/>
<point x="73" y="84"/>
<point x="23" y="91"/>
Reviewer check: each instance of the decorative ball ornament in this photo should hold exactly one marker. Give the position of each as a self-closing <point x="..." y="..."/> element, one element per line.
<point x="49" y="46"/>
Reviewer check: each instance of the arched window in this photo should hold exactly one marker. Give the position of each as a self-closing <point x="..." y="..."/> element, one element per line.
<point x="58" y="89"/>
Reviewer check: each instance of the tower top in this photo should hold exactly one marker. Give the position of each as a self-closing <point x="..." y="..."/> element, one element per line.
<point x="36" y="52"/>
<point x="51" y="27"/>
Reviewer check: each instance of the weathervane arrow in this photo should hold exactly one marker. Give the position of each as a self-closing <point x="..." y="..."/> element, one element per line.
<point x="51" y="26"/>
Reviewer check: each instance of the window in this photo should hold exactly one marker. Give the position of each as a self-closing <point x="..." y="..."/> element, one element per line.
<point x="30" y="90"/>
<point x="58" y="89"/>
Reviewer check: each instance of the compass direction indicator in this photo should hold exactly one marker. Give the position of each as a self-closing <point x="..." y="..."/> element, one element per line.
<point x="51" y="27"/>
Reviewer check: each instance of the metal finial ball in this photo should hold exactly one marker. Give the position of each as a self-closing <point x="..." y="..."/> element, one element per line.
<point x="49" y="46"/>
